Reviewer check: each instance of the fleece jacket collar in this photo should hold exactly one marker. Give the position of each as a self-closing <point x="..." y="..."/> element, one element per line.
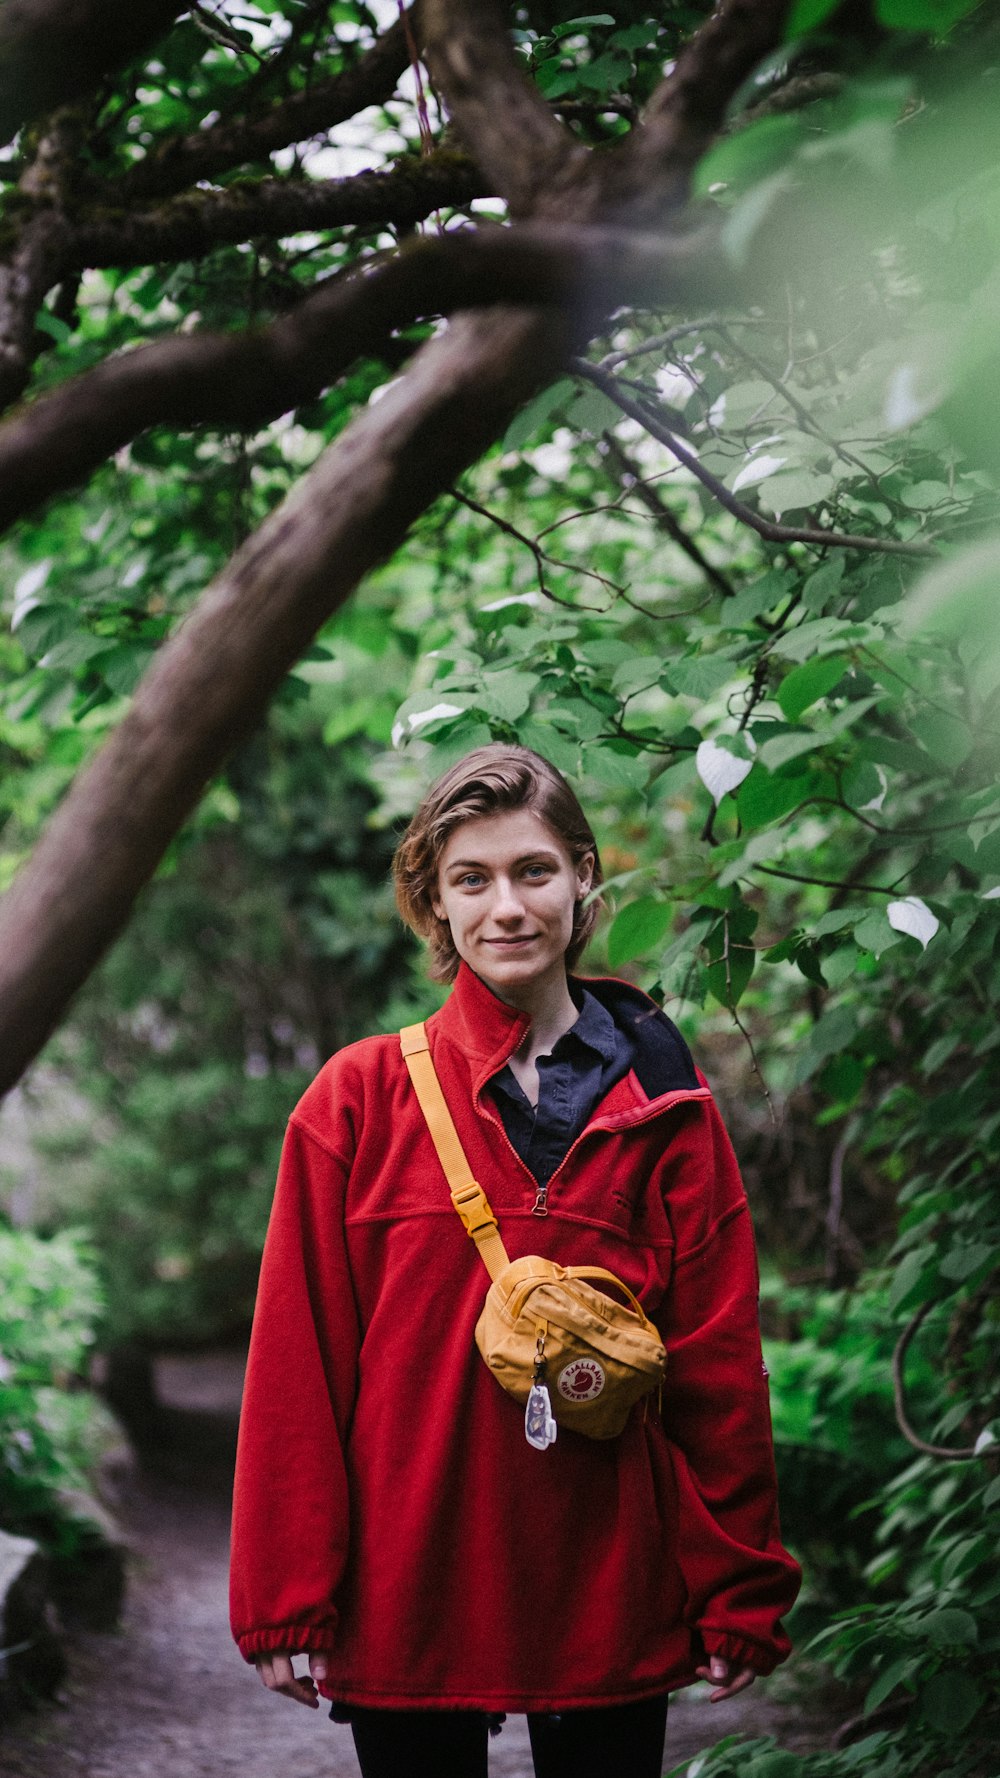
<point x="489" y="1031"/>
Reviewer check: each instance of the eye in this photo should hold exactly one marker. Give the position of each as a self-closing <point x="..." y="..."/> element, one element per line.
<point x="470" y="880"/>
<point x="537" y="870"/>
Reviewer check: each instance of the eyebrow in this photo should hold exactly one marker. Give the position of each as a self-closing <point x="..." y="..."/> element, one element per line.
<point x="536" y="857"/>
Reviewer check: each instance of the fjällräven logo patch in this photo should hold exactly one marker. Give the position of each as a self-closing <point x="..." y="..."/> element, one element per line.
<point x="582" y="1380"/>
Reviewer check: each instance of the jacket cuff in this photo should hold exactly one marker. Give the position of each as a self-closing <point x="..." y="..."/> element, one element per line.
<point x="742" y="1651"/>
<point x="296" y="1639"/>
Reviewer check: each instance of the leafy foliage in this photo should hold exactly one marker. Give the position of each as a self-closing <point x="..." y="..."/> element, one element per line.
<point x="52" y="1429"/>
<point x="770" y="659"/>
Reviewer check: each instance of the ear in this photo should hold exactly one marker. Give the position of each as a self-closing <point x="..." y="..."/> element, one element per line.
<point x="437" y="908"/>
<point x="584" y="875"/>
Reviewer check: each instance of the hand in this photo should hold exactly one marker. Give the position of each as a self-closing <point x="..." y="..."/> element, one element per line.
<point x="275" y="1671"/>
<point x="727" y="1679"/>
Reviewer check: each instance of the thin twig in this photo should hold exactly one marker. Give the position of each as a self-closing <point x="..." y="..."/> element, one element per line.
<point x="654" y="344"/>
<point x="804" y="417"/>
<point x="519" y="537"/>
<point x="738" y="1022"/>
<point x="771" y="870"/>
<point x="664" y="519"/>
<point x="962" y="1452"/>
<point x="766" y="528"/>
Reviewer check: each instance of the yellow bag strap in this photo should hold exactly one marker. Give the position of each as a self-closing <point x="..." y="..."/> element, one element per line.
<point x="468" y="1198"/>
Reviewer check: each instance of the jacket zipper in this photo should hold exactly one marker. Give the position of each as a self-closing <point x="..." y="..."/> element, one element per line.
<point x="540" y="1205"/>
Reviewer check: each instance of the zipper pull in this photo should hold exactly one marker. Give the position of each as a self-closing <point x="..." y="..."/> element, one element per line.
<point x="538" y="1208"/>
<point x="539" y="1424"/>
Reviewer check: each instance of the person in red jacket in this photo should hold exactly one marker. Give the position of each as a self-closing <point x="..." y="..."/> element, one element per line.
<point x="390" y="1521"/>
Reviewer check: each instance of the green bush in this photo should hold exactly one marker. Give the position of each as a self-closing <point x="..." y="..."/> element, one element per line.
<point x="52" y="1428"/>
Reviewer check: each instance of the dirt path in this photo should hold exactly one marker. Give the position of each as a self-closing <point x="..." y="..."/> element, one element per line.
<point x="168" y="1695"/>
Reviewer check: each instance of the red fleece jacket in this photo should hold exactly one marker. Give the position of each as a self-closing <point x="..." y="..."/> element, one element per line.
<point x="387" y="1507"/>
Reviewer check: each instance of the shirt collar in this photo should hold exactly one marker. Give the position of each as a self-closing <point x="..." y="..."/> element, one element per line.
<point x="484" y="1025"/>
<point x="595" y="1027"/>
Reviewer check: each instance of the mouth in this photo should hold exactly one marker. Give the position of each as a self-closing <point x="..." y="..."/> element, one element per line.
<point x="512" y="944"/>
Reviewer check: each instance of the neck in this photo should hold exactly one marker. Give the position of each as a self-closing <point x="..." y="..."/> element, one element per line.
<point x="548" y="1003"/>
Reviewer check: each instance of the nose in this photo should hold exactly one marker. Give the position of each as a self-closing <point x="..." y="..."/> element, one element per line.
<point x="507" y="903"/>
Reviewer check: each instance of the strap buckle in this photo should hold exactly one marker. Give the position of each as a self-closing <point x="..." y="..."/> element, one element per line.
<point x="473" y="1207"/>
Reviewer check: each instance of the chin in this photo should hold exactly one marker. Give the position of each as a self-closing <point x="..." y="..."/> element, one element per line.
<point x="524" y="966"/>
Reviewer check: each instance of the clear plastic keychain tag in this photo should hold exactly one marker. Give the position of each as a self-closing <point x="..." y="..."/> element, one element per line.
<point x="539" y="1423"/>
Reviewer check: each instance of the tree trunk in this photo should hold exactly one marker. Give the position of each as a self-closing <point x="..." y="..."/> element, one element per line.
<point x="214" y="678"/>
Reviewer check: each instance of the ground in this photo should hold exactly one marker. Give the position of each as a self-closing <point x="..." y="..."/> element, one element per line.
<point x="168" y="1695"/>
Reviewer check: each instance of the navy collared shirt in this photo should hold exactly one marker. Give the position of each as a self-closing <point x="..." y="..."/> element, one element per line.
<point x="585" y="1063"/>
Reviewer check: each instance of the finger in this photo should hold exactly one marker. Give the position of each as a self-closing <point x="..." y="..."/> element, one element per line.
<point x="739" y="1684"/>
<point x="276" y="1673"/>
<point x="318" y="1668"/>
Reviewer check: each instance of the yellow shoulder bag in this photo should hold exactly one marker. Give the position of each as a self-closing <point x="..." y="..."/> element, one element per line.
<point x="541" y="1322"/>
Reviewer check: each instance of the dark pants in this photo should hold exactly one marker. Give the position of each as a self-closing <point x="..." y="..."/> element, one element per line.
<point x="624" y="1738"/>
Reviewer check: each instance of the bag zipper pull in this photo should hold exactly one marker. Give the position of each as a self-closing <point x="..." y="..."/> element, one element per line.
<point x="538" y="1208"/>
<point x="539" y="1422"/>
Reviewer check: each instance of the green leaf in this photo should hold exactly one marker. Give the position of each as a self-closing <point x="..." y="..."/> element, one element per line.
<point x="786" y="747"/>
<point x="42" y="626"/>
<point x="594" y="412"/>
<point x="773" y="1764"/>
<point x="842" y="1078"/>
<point x="506" y="695"/>
<point x="887" y="1682"/>
<point x="805" y="15"/>
<point x="874" y="933"/>
<point x="603" y="75"/>
<point x="636" y="36"/>
<point x="57" y="329"/>
<point x="749" y="156"/>
<point x="795" y="490"/>
<point x="765" y="796"/>
<point x="864" y="786"/>
<point x="958" y="597"/>
<point x="961" y="1262"/>
<point x="540" y="734"/>
<point x="699" y="676"/>
<point x="532" y="418"/>
<point x="908" y="1275"/>
<point x="823" y="585"/>
<point x="759" y="596"/>
<point x="949" y="1701"/>
<point x="833" y="1032"/>
<point x="936" y="16"/>
<point x="731" y="956"/>
<point x="946" y="738"/>
<point x="124" y="665"/>
<point x="950" y="1627"/>
<point x="572" y="26"/>
<point x="75" y="650"/>
<point x="637" y="928"/>
<point x="805" y="684"/>
<point x="619" y="771"/>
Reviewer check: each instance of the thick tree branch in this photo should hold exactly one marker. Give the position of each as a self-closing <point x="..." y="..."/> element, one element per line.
<point x="183" y="160"/>
<point x="769" y="529"/>
<point x="687" y="109"/>
<point x="37" y="255"/>
<point x="214" y="678"/>
<point x="245" y="379"/>
<point x="54" y="51"/>
<point x="500" y="115"/>
<point x="189" y="226"/>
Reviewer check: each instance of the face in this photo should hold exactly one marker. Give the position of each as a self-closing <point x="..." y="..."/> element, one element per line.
<point x="507" y="887"/>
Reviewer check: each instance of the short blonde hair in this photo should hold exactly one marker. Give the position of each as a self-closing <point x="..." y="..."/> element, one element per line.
<point x="488" y="781"/>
